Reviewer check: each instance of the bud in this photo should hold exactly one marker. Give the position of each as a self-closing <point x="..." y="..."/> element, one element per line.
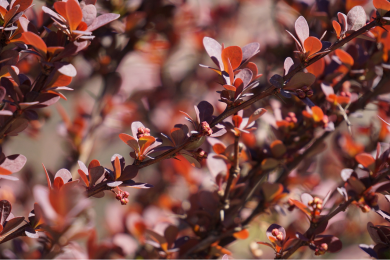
<point x="301" y="94"/>
<point x="124" y="201"/>
<point x="324" y="247"/>
<point x="319" y="206"/>
<point x="279" y="237"/>
<point x="143" y="131"/>
<point x="366" y="208"/>
<point x="118" y="196"/>
<point x="206" y="130"/>
<point x="291" y="114"/>
<point x="310" y="203"/>
<point x="309" y="93"/>
<point x="126" y="194"/>
<point x="275" y="232"/>
<point x="305" y="88"/>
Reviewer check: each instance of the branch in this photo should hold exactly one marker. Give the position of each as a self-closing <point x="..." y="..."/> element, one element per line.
<point x="234" y="171"/>
<point x="312" y="227"/>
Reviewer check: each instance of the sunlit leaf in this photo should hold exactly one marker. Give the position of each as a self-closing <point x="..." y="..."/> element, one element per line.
<point x="233" y="54"/>
<point x="312" y="45"/>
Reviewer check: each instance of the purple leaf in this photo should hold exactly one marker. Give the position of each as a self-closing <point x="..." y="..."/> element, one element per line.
<point x="214" y="50"/>
<point x="288" y="64"/>
<point x="66" y="69"/>
<point x="356" y="18"/>
<point x="89" y="14"/>
<point x="249" y="50"/>
<point x="302" y="29"/>
<point x="102" y="20"/>
<point x="64" y="174"/>
<point x="14" y="163"/>
<point x="343" y="21"/>
<point x="129" y="172"/>
<point x="245" y="75"/>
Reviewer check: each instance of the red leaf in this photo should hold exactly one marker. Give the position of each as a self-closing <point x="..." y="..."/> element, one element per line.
<point x="237" y="120"/>
<point x="83" y="177"/>
<point x="58" y="183"/>
<point x="23" y="4"/>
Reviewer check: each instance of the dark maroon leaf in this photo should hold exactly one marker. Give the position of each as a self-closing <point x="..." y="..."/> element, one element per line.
<point x="170" y="235"/>
<point x="130" y="172"/>
<point x="204" y="111"/>
<point x="95" y="173"/>
<point x="17" y="126"/>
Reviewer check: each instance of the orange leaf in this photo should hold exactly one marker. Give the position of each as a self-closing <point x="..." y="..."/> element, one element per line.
<point x="33" y="40"/>
<point x="253" y="67"/>
<point x="243" y="234"/>
<point x="219" y="148"/>
<point x="343" y="100"/>
<point x="4" y="171"/>
<point x="233" y="54"/>
<point x="318" y="115"/>
<point x="332" y="98"/>
<point x="317" y="68"/>
<point x="74" y="14"/>
<point x="238" y="82"/>
<point x="301" y="206"/>
<point x="366" y="160"/>
<point x="383" y="6"/>
<point x="83" y="177"/>
<point x="60" y="80"/>
<point x="312" y="45"/>
<point x="344" y="57"/>
<point x="337" y="28"/>
<point x="117" y="168"/>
